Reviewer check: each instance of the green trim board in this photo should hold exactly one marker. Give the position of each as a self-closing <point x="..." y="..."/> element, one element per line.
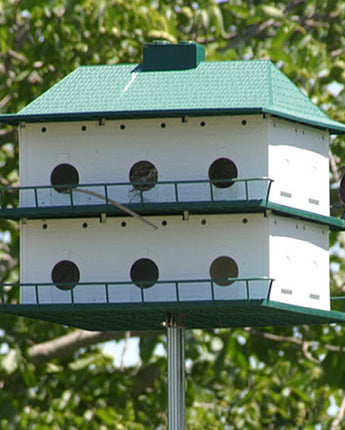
<point x="209" y="88"/>
<point x="239" y="313"/>
<point x="173" y="208"/>
<point x="335" y="224"/>
<point x="146" y="209"/>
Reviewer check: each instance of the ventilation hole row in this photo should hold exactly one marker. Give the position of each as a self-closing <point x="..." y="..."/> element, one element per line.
<point x="164" y="223"/>
<point x="144" y="273"/>
<point x="144" y="175"/>
<point x="45" y="225"/>
<point x="163" y="125"/>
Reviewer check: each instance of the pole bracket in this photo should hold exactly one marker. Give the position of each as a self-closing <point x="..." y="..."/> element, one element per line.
<point x="175" y="320"/>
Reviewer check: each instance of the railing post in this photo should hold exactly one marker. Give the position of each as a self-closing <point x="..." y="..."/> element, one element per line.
<point x="268" y="190"/>
<point x="176" y="192"/>
<point x="72" y="296"/>
<point x="141" y="195"/>
<point x="37" y="295"/>
<point x="246" y="190"/>
<point x="247" y="290"/>
<point x="106" y="194"/>
<point x="71" y="197"/>
<point x="142" y="294"/>
<point x="212" y="291"/>
<point x="36" y="198"/>
<point x="177" y="292"/>
<point x="211" y="191"/>
<point x="107" y="293"/>
<point x="269" y="290"/>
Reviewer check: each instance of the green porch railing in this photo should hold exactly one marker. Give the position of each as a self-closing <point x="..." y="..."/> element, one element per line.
<point x="9" y="292"/>
<point x="66" y="195"/>
<point x="248" y="287"/>
<point x="252" y="308"/>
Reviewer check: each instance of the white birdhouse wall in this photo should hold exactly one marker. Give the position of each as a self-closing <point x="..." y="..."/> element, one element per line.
<point x="178" y="150"/>
<point x="181" y="250"/>
<point x="294" y="156"/>
<point x="299" y="165"/>
<point x="299" y="262"/>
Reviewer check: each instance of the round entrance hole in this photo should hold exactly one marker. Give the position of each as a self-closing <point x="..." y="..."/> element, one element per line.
<point x="144" y="273"/>
<point x="222" y="171"/>
<point x="143" y="175"/>
<point x="223" y="268"/>
<point x="65" y="275"/>
<point x="64" y="177"/>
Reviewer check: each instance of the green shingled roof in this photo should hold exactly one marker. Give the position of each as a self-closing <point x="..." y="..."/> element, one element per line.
<point x="211" y="88"/>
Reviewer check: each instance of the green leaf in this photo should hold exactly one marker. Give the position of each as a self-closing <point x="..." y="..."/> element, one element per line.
<point x="10" y="362"/>
<point x="84" y="362"/>
<point x="272" y="11"/>
<point x="147" y="346"/>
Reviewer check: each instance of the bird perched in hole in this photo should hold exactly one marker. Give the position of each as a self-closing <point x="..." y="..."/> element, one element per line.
<point x="143" y="177"/>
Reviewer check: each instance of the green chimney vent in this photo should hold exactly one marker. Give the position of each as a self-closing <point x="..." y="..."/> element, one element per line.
<point x="165" y="56"/>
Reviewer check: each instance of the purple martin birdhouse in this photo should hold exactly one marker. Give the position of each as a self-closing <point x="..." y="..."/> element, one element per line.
<point x="174" y="186"/>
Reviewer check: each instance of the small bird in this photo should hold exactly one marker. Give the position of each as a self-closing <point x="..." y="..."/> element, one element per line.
<point x="143" y="176"/>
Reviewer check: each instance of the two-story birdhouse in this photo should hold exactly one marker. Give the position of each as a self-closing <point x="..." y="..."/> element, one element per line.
<point x="174" y="186"/>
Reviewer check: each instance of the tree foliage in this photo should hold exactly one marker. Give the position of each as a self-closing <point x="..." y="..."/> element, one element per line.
<point x="279" y="378"/>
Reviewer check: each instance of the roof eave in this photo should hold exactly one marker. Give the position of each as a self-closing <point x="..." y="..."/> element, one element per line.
<point x="16" y="119"/>
<point x="333" y="127"/>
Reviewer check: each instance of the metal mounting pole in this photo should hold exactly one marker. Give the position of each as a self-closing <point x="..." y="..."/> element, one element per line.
<point x="176" y="375"/>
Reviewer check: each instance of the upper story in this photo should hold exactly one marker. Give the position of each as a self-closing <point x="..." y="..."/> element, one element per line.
<point x="175" y="129"/>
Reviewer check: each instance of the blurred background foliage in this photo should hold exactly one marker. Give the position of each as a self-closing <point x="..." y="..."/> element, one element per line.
<point x="272" y="378"/>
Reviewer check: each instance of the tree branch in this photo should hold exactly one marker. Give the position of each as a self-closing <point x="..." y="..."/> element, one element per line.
<point x="5" y="100"/>
<point x="304" y="345"/>
<point x="336" y="422"/>
<point x="124" y="350"/>
<point x="63" y="347"/>
<point x="274" y="337"/>
<point x="334" y="169"/>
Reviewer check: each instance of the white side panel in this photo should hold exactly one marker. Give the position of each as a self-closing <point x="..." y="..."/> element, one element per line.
<point x="180" y="151"/>
<point x="299" y="263"/>
<point x="299" y="165"/>
<point x="23" y="162"/>
<point x="182" y="250"/>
